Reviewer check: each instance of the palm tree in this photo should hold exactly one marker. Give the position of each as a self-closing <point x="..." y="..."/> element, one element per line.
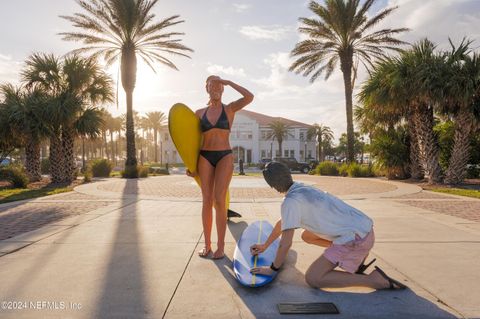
<point x="463" y="92"/>
<point x="320" y="133"/>
<point x="9" y="140"/>
<point x="72" y="85"/>
<point x="122" y="29"/>
<point x="340" y="34"/>
<point x="388" y="101"/>
<point x="410" y="87"/>
<point x="114" y="125"/>
<point x="278" y="131"/>
<point x="155" y="121"/>
<point x="89" y="125"/>
<point x="25" y="109"/>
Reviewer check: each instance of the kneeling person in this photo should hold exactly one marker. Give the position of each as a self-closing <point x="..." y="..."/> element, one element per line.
<point x="328" y="222"/>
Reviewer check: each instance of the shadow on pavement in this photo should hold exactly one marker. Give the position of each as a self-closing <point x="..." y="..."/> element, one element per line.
<point x="290" y="286"/>
<point x="123" y="293"/>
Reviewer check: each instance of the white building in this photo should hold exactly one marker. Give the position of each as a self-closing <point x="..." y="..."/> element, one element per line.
<point x="248" y="138"/>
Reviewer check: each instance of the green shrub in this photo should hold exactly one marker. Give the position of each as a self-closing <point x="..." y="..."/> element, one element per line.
<point x="87" y="176"/>
<point x="158" y="171"/>
<point x="343" y="170"/>
<point x="45" y="166"/>
<point x="327" y="169"/>
<point x="101" y="168"/>
<point x="473" y="171"/>
<point x="130" y="171"/>
<point x="15" y="175"/>
<point x="143" y="171"/>
<point x="358" y="170"/>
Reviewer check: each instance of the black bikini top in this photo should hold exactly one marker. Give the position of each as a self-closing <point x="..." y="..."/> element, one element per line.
<point x="222" y="122"/>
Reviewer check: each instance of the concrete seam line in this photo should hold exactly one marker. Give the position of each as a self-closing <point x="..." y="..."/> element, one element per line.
<point x="183" y="274"/>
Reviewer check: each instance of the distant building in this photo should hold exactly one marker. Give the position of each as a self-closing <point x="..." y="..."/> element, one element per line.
<point x="249" y="142"/>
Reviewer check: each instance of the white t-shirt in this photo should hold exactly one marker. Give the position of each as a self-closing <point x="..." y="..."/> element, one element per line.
<point x="323" y="214"/>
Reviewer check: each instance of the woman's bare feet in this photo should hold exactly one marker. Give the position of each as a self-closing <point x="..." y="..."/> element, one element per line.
<point x="205" y="252"/>
<point x="219" y="253"/>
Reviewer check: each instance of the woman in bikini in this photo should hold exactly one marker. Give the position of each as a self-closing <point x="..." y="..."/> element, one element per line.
<point x="215" y="163"/>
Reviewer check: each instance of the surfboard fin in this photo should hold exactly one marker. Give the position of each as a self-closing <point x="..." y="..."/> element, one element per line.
<point x="231" y="213"/>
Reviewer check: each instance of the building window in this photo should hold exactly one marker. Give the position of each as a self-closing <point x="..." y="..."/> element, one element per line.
<point x="302" y="136"/>
<point x="285" y="153"/>
<point x="264" y="154"/>
<point x="292" y="153"/>
<point x="277" y="153"/>
<point x="310" y="154"/>
<point x="264" y="135"/>
<point x="301" y="154"/>
<point x="290" y="135"/>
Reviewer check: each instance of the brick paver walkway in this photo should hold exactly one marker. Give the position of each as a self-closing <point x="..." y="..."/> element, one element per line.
<point x="26" y="217"/>
<point x="464" y="209"/>
<point x="179" y="186"/>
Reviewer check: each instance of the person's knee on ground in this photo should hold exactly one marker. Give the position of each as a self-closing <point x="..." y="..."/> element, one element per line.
<point x="317" y="270"/>
<point x="314" y="280"/>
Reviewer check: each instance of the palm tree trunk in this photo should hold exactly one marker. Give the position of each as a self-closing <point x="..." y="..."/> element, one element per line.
<point x="69" y="155"/>
<point x="429" y="149"/>
<point x="84" y="168"/>
<point x="32" y="160"/>
<point x="461" y="148"/>
<point x="320" y="149"/>
<point x="416" y="169"/>
<point x="114" y="156"/>
<point x="155" y="136"/>
<point x="104" y="140"/>
<point x="280" y="147"/>
<point x="129" y="73"/>
<point x="56" y="160"/>
<point x="346" y="66"/>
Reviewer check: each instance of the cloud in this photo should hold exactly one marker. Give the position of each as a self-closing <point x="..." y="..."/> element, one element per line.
<point x="273" y="32"/>
<point x="9" y="69"/>
<point x="436" y="19"/>
<point x="282" y="93"/>
<point x="241" y="7"/>
<point x="215" y="69"/>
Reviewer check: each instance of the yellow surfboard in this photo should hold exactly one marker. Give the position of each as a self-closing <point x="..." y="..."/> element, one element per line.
<point x="184" y="127"/>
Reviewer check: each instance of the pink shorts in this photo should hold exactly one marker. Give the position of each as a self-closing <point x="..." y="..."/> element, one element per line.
<point x="350" y="255"/>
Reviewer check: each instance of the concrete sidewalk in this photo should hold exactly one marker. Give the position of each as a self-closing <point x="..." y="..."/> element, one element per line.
<point x="136" y="258"/>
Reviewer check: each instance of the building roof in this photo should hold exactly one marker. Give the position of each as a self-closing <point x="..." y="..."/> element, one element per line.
<point x="265" y="120"/>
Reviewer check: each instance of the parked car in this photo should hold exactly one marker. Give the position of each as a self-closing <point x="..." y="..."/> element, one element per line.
<point x="263" y="162"/>
<point x="293" y="164"/>
<point x="6" y="161"/>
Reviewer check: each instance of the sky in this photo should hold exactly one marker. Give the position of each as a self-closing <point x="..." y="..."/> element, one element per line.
<point x="245" y="41"/>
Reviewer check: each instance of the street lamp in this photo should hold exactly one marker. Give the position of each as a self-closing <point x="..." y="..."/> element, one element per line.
<point x="305" y="154"/>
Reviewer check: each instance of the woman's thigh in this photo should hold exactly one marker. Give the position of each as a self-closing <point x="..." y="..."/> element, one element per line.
<point x="223" y="176"/>
<point x="206" y="172"/>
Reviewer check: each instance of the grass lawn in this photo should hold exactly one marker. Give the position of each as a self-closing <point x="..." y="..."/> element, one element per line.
<point x="34" y="190"/>
<point x="258" y="174"/>
<point x="457" y="191"/>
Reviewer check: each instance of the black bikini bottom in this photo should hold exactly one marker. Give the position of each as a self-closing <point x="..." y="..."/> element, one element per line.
<point x="213" y="157"/>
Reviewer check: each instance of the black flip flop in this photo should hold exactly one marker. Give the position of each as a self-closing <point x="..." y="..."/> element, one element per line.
<point x="391" y="281"/>
<point x="361" y="269"/>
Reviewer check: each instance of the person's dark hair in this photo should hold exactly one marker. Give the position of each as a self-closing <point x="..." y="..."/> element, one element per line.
<point x="278" y="176"/>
